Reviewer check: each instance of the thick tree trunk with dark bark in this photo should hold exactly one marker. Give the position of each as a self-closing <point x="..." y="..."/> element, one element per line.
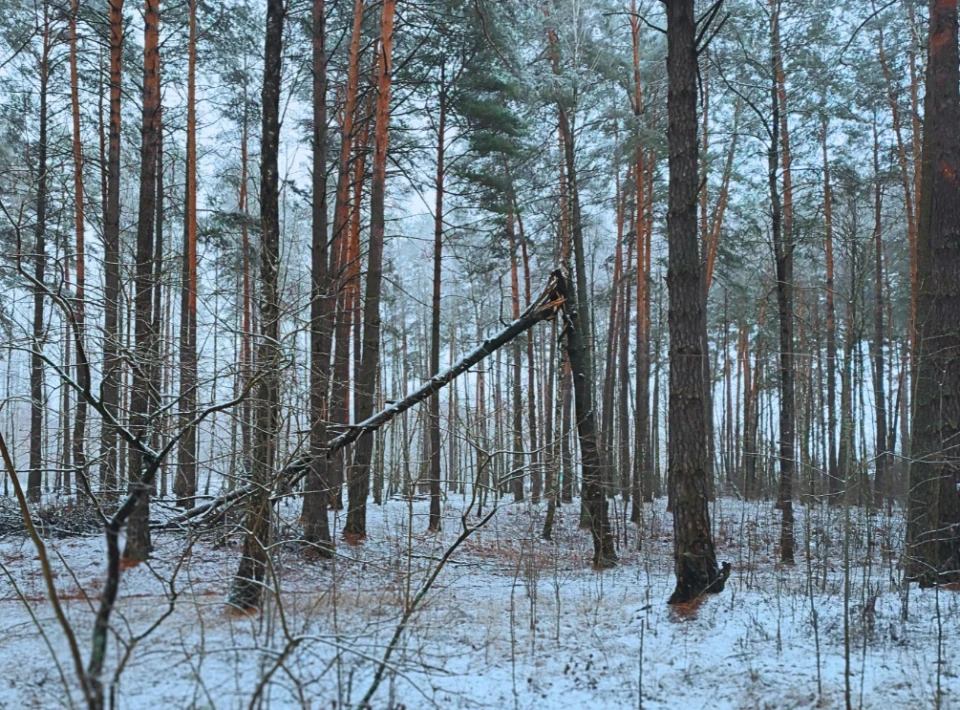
<point x="694" y="556"/>
<point x="933" y="520"/>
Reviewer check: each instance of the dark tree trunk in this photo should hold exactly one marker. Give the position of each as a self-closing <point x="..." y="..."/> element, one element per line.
<point x="933" y="520"/>
<point x="882" y="489"/>
<point x="845" y="448"/>
<point x="581" y="368"/>
<point x="536" y="481"/>
<point x="35" y="477"/>
<point x="551" y="470"/>
<point x="695" y="559"/>
<point x="158" y="319"/>
<point x="435" y="521"/>
<point x="516" y="475"/>
<point x="316" y="526"/>
<point x="185" y="485"/>
<point x="833" y="476"/>
<point x="248" y="583"/>
<point x="783" y="252"/>
<point x="112" y="365"/>
<point x="80" y="418"/>
<point x="144" y="392"/>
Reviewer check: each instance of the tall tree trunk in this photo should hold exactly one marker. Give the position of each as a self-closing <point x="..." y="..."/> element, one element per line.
<point x="536" y="481"/>
<point x="579" y="350"/>
<point x="933" y="520"/>
<point x="694" y="556"/>
<point x="833" y="475"/>
<point x="623" y="387"/>
<point x="607" y="407"/>
<point x="783" y="251"/>
<point x="112" y="364"/>
<point x="247" y="585"/>
<point x="338" y="406"/>
<point x="316" y="526"/>
<point x="435" y="521"/>
<point x="516" y="476"/>
<point x="550" y="457"/>
<point x="566" y="386"/>
<point x="79" y="307"/>
<point x="359" y="484"/>
<point x="245" y="371"/>
<point x="642" y="491"/>
<point x="185" y="486"/>
<point x="164" y="341"/>
<point x="581" y="368"/>
<point x="35" y="477"/>
<point x="882" y="488"/>
<point x="910" y="207"/>
<point x="845" y="450"/>
<point x="705" y="290"/>
<point x="143" y="401"/>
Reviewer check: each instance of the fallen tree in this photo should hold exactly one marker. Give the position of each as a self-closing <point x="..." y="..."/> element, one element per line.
<point x="552" y="299"/>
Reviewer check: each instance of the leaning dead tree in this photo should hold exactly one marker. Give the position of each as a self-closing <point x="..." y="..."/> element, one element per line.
<point x="551" y="300"/>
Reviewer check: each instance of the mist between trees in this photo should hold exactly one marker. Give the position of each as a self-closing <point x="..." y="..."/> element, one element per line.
<point x="313" y="311"/>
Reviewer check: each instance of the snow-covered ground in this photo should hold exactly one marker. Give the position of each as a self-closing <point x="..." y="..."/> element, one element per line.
<point x="512" y="622"/>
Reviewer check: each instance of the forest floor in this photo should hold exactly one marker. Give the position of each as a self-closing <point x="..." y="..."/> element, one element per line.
<point x="513" y="621"/>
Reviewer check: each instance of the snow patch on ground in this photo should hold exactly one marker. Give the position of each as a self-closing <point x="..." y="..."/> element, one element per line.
<point x="513" y="621"/>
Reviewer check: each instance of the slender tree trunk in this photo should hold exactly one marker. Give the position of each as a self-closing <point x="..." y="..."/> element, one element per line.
<point x="642" y="491"/>
<point x="163" y="344"/>
<point x="845" y="449"/>
<point x="566" y="386"/>
<point x="35" y="477"/>
<point x="516" y="482"/>
<point x="247" y="585"/>
<point x="245" y="371"/>
<point x="581" y="368"/>
<point x="143" y="402"/>
<point x="579" y="351"/>
<point x="623" y="388"/>
<point x="338" y="405"/>
<point x="550" y="445"/>
<point x="833" y="475"/>
<point x="536" y="481"/>
<point x="80" y="417"/>
<point x="612" y="350"/>
<point x="435" y="520"/>
<point x="695" y="559"/>
<point x="882" y="489"/>
<point x="112" y="365"/>
<point x="359" y="485"/>
<point x="185" y="485"/>
<point x="783" y="251"/>
<point x="316" y="526"/>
